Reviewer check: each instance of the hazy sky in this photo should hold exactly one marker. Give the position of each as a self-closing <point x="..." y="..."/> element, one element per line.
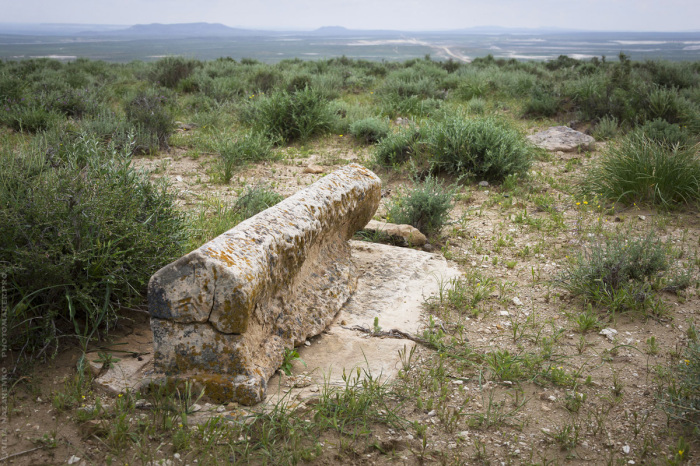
<point x="639" y="15"/>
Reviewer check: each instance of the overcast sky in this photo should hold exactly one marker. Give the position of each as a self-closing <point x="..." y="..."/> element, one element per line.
<point x="638" y="15"/>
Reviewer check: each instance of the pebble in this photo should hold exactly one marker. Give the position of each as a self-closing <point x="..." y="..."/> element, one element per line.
<point x="609" y="333"/>
<point x="517" y="301"/>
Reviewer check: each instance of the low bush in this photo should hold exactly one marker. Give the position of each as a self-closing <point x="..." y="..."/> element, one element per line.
<point x="486" y="148"/>
<point x="606" y="128"/>
<point x="170" y="71"/>
<point x="235" y="152"/>
<point x="81" y="232"/>
<point x="396" y="148"/>
<point x="370" y="130"/>
<point x="150" y="112"/>
<point x="427" y="206"/>
<point x="681" y="401"/>
<point x="640" y="170"/>
<point x="30" y="117"/>
<point x="667" y="134"/>
<point x="290" y="116"/>
<point x="476" y="106"/>
<point x="622" y="272"/>
<point x="542" y="103"/>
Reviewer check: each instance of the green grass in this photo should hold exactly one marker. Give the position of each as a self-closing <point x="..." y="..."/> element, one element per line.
<point x="640" y="170"/>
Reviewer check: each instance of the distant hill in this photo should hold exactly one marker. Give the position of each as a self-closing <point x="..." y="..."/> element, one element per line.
<point x="182" y="30"/>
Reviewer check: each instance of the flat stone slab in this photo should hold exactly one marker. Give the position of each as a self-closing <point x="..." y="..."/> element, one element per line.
<point x="562" y="138"/>
<point x="393" y="284"/>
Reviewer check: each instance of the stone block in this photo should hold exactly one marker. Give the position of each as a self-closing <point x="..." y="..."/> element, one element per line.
<point x="224" y="313"/>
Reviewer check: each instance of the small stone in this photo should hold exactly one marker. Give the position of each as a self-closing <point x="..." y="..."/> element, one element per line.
<point x="552" y="398"/>
<point x="562" y="138"/>
<point x="196" y="407"/>
<point x="609" y="333"/>
<point x="73" y="459"/>
<point x="313" y="169"/>
<point x="517" y="301"/>
<point x="641" y="217"/>
<point x="626" y="449"/>
<point x="464" y="435"/>
<point x="307" y="343"/>
<point x="504" y="313"/>
<point x="484" y="184"/>
<point x="432" y="413"/>
<point x="221" y="409"/>
<point x="179" y="178"/>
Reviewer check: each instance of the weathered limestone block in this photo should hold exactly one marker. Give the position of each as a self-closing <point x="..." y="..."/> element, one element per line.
<point x="408" y="234"/>
<point x="224" y="313"/>
<point x="562" y="138"/>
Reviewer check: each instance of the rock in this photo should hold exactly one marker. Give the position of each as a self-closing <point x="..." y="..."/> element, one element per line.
<point x="641" y="217"/>
<point x="178" y="178"/>
<point x="185" y="126"/>
<point x="412" y="236"/>
<point x="517" y="301"/>
<point x="223" y="314"/>
<point x="125" y="374"/>
<point x="484" y="184"/>
<point x="73" y="459"/>
<point x="314" y="169"/>
<point x="609" y="333"/>
<point x="427" y="247"/>
<point x="562" y="138"/>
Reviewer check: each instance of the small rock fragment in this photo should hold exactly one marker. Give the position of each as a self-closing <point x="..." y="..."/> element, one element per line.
<point x="517" y="301"/>
<point x="313" y="169"/>
<point x="609" y="333"/>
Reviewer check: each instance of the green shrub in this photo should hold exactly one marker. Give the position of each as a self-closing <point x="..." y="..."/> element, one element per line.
<point x="681" y="401"/>
<point x="427" y="206"/>
<point x="476" y="106"/>
<point x="370" y="130"/>
<point x="542" y="103"/>
<point x="255" y="199"/>
<point x="606" y="128"/>
<point x="620" y="273"/>
<point x="641" y="170"/>
<point x="486" y="148"/>
<point x="394" y="105"/>
<point x="666" y="134"/>
<point x="287" y="117"/>
<point x="80" y="235"/>
<point x="169" y="71"/>
<point x="396" y="148"/>
<point x="28" y="114"/>
<point x="150" y="112"/>
<point x="234" y="152"/>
